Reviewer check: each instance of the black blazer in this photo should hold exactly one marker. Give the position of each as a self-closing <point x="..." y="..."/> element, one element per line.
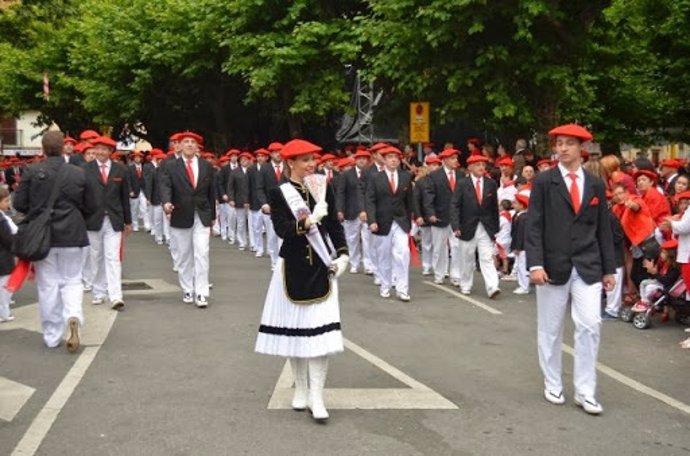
<point x="267" y="181"/>
<point x="558" y="239"/>
<point x="152" y="179"/>
<point x="437" y="196"/>
<point x="384" y="207"/>
<point x="6" y="257"/>
<point x="111" y="199"/>
<point x="176" y="189"/>
<point x="254" y="174"/>
<point x="518" y="231"/>
<point x="238" y="187"/>
<point x="136" y="184"/>
<point x="306" y="277"/>
<point x="466" y="213"/>
<point x="419" y="189"/>
<point x="77" y="159"/>
<point x="74" y="203"/>
<point x="349" y="194"/>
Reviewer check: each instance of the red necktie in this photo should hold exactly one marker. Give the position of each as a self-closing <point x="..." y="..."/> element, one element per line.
<point x="330" y="175"/>
<point x="278" y="173"/>
<point x="451" y="180"/>
<point x="138" y="171"/>
<point x="574" y="192"/>
<point x="392" y="182"/>
<point x="104" y="175"/>
<point x="478" y="191"/>
<point x="190" y="172"/>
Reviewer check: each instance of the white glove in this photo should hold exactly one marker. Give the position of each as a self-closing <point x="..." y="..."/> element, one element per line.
<point x="319" y="212"/>
<point x="340" y="265"/>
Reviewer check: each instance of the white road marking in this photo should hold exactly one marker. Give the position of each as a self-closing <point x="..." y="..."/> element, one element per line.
<point x="418" y="396"/>
<point x="479" y="304"/>
<point x="99" y="320"/>
<point x="634" y="384"/>
<point x="13" y="396"/>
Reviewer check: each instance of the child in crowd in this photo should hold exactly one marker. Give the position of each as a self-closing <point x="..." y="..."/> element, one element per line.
<point x="518" y="235"/>
<point x="663" y="273"/>
<point x="7" y="230"/>
<point x="503" y="239"/>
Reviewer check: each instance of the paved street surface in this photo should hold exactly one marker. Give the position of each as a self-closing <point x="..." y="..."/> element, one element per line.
<point x="438" y="376"/>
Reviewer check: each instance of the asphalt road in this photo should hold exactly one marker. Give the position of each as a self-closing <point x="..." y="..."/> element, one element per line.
<point x="171" y="379"/>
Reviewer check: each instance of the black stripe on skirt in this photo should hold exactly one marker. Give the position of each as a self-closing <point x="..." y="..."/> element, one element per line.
<point x="299" y="332"/>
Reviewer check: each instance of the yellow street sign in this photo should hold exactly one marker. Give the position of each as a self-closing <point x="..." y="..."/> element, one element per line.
<point x="419" y="122"/>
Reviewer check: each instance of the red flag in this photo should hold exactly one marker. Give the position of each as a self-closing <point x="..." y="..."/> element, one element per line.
<point x="414" y="253"/>
<point x="21" y="271"/>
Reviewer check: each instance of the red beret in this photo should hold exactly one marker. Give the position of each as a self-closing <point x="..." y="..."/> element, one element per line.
<point x="428" y="144"/>
<point x="70" y="140"/>
<point x="670" y="244"/>
<point x="448" y="153"/>
<point x="477" y="159"/>
<point x="475" y="141"/>
<point x="344" y="162"/>
<point x="361" y="147"/>
<point x="522" y="198"/>
<point x="275" y="147"/>
<point x="88" y="134"/>
<point x="246" y="155"/>
<point x="224" y="159"/>
<point x="544" y="161"/>
<point x="232" y="152"/>
<point x="262" y="151"/>
<point x="378" y="146"/>
<point x="81" y="147"/>
<point x="115" y="156"/>
<point x="361" y="154"/>
<point x="431" y="159"/>
<point x="174" y="137"/>
<point x="207" y="155"/>
<point x="675" y="164"/>
<point x="190" y="134"/>
<point x="643" y="172"/>
<point x="505" y="161"/>
<point x="390" y="150"/>
<point x="327" y="157"/>
<point x="573" y="130"/>
<point x="136" y="153"/>
<point x="156" y="151"/>
<point x="104" y="141"/>
<point x="682" y="195"/>
<point x="298" y="147"/>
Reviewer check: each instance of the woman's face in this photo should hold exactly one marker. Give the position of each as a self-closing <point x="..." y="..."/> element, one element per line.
<point x="682" y="184"/>
<point x="302" y="166"/>
<point x="643" y="183"/>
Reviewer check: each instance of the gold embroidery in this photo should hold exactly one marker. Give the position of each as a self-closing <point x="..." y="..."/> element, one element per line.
<point x="306" y="301"/>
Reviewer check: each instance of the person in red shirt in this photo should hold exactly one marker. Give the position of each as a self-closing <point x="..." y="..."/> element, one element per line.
<point x="657" y="203"/>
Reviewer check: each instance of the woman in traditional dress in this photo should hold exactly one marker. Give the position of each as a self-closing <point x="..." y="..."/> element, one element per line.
<point x="301" y="316"/>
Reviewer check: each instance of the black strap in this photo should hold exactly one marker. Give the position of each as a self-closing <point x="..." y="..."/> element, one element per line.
<point x="56" y="187"/>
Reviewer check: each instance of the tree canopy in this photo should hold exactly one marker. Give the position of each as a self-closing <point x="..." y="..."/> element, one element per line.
<point x="247" y="71"/>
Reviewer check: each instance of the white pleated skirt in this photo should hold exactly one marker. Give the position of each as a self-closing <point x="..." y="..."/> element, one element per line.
<point x="298" y="330"/>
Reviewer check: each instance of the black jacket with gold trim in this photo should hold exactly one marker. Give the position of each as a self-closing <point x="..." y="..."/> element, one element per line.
<point x="306" y="278"/>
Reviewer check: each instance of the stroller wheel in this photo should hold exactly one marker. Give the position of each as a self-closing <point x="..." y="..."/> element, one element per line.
<point x="627" y="314"/>
<point x="641" y="320"/>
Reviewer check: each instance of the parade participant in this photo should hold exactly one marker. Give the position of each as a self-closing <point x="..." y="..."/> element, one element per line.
<point x="58" y="276"/>
<point x="438" y="195"/>
<point x="681" y="185"/>
<point x="432" y="163"/>
<point x="222" y="205"/>
<point x="349" y="205"/>
<point x="328" y="163"/>
<point x="188" y="196"/>
<point x="7" y="260"/>
<point x="301" y="316"/>
<point x="153" y="196"/>
<point x="474" y="220"/>
<point x="569" y="254"/>
<point x="614" y="296"/>
<point x="107" y="181"/>
<point x="13" y="174"/>
<point x="517" y="245"/>
<point x="257" y="225"/>
<point x="390" y="207"/>
<point x="658" y="205"/>
<point x="238" y="197"/>
<point x="669" y="173"/>
<point x="506" y="189"/>
<point x="222" y="186"/>
<point x="137" y="197"/>
<point x="271" y="177"/>
<point x="504" y="238"/>
<point x="376" y="166"/>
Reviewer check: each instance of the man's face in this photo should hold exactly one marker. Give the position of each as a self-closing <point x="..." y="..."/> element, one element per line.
<point x="137" y="159"/>
<point x="362" y="162"/>
<point x="477" y="169"/>
<point x="568" y="150"/>
<point x="667" y="171"/>
<point x="244" y="162"/>
<point x="620" y="195"/>
<point x="275" y="156"/>
<point x="89" y="154"/>
<point x="392" y="161"/>
<point x="506" y="170"/>
<point x="102" y="152"/>
<point x="68" y="148"/>
<point x="434" y="166"/>
<point x="528" y="173"/>
<point x="233" y="159"/>
<point x="189" y="147"/>
<point x="451" y="162"/>
<point x="261" y="159"/>
<point x="643" y="183"/>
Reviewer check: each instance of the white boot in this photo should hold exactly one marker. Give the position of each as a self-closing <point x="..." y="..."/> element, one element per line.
<point x="299" y="371"/>
<point x="318" y="369"/>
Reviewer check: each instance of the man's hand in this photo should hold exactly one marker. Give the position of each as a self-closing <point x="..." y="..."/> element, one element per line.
<point x="539" y="277"/>
<point x="131" y="194"/>
<point x="168" y="208"/>
<point x="374" y="227"/>
<point x="232" y="204"/>
<point x="225" y="198"/>
<point x="266" y="209"/>
<point x="457" y="233"/>
<point x="609" y="282"/>
<point x="127" y="230"/>
<point x="341" y="216"/>
<point x="419" y="221"/>
<point x="433" y="219"/>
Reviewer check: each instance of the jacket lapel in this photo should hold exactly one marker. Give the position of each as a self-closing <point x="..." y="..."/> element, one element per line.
<point x="588" y="194"/>
<point x="558" y="182"/>
<point x="183" y="170"/>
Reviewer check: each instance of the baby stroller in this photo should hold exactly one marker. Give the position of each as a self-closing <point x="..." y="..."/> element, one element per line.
<point x="676" y="298"/>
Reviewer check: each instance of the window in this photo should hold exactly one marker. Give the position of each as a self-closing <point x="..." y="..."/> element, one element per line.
<point x="8" y="132"/>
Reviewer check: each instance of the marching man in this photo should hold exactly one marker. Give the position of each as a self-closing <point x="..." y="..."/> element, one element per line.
<point x="152" y="188"/>
<point x="256" y="220"/>
<point x="474" y="218"/>
<point x="569" y="255"/>
<point x="390" y="207"/>
<point x="272" y="176"/>
<point x="188" y="196"/>
<point x="238" y="197"/>
<point x="108" y="183"/>
<point x="137" y="195"/>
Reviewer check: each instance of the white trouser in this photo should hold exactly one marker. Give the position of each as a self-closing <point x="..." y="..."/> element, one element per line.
<point x="157" y="226"/>
<point x="614" y="298"/>
<point x="521" y="270"/>
<point x="232" y="223"/>
<point x="88" y="272"/>
<point x="393" y="252"/>
<point x="445" y="244"/>
<point x="480" y="242"/>
<point x="166" y="226"/>
<point x="144" y="211"/>
<point x="241" y="216"/>
<point x="368" y="249"/>
<point x="60" y="291"/>
<point x="105" y="261"/>
<point x="192" y="251"/>
<point x="5" y="298"/>
<point x="353" y="236"/>
<point x="149" y="211"/>
<point x="257" y="225"/>
<point x="427" y="248"/>
<point x="216" y="223"/>
<point x="273" y="242"/>
<point x="223" y="220"/>
<point x="134" y="209"/>
<point x="552" y="302"/>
